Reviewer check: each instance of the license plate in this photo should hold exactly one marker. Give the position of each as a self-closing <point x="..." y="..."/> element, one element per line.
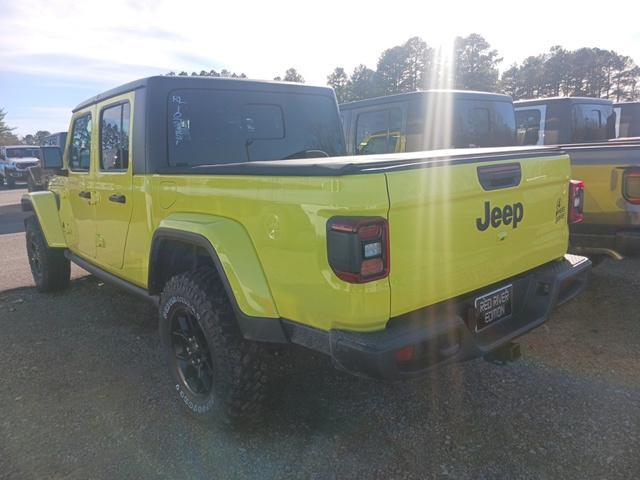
<point x="493" y="306"/>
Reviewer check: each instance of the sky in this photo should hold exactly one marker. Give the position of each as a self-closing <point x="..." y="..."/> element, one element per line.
<point x="56" y="53"/>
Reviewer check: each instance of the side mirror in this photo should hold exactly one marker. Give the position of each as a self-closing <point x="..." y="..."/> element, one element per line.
<point x="51" y="158"/>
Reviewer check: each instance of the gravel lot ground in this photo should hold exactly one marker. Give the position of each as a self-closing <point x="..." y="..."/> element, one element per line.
<point x="84" y="394"/>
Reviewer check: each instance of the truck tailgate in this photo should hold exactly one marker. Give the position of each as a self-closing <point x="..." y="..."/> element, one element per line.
<point x="463" y="224"/>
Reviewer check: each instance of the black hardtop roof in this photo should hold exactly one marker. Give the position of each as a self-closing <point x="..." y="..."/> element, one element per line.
<point x="179" y="81"/>
<point x="460" y="94"/>
<point x="637" y="103"/>
<point x="569" y="100"/>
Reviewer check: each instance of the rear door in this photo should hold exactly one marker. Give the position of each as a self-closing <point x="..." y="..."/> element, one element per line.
<point x="458" y="226"/>
<point x="113" y="186"/>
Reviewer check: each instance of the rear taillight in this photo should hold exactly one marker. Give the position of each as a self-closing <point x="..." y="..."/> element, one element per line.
<point x="576" y="201"/>
<point x="631" y="185"/>
<point x="358" y="248"/>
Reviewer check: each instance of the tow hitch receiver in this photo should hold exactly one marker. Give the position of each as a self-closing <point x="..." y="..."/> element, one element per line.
<point x="507" y="353"/>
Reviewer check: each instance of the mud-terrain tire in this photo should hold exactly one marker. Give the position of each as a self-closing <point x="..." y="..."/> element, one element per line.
<point x="216" y="374"/>
<point x="51" y="270"/>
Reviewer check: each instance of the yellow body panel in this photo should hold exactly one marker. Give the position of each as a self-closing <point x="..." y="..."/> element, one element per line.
<point x="278" y="225"/>
<point x="603" y="200"/>
<point x="46" y="209"/>
<point x="237" y="256"/>
<point x="438" y="253"/>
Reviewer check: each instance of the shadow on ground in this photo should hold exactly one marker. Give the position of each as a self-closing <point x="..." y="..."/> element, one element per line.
<point x="84" y="394"/>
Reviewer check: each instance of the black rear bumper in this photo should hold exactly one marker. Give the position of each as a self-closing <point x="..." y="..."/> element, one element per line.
<point x="445" y="333"/>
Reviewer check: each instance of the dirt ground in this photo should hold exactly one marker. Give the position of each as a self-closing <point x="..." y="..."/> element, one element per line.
<point x="84" y="394"/>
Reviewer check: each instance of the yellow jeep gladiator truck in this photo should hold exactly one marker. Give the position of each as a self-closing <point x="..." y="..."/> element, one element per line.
<point x="230" y="204"/>
<point x="585" y="128"/>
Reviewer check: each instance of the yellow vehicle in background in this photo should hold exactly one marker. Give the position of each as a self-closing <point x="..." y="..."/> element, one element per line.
<point x="230" y="204"/>
<point x="382" y="142"/>
<point x="585" y="129"/>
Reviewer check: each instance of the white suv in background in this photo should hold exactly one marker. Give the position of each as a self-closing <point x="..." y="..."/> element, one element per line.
<point x="15" y="161"/>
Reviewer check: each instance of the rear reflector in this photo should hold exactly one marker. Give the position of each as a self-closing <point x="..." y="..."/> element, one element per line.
<point x="371" y="267"/>
<point x="576" y="201"/>
<point x="358" y="248"/>
<point x="406" y="354"/>
<point x="631" y="186"/>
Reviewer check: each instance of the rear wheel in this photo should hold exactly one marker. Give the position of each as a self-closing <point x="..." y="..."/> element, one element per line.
<point x="50" y="268"/>
<point x="11" y="182"/>
<point x="216" y="373"/>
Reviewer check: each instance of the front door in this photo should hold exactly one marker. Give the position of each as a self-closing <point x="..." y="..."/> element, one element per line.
<point x="113" y="186"/>
<point x="77" y="199"/>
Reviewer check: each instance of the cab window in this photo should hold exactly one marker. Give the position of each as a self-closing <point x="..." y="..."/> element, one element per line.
<point x="213" y="127"/>
<point x="114" y="138"/>
<point x="593" y="123"/>
<point x="378" y="132"/>
<point x="80" y="147"/>
<point x="528" y="126"/>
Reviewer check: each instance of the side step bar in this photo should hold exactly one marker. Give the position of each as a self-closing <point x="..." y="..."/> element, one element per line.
<point x="112" y="279"/>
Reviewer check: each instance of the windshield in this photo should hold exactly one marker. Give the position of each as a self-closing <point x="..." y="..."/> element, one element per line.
<point x="23" y="153"/>
<point x="220" y="126"/>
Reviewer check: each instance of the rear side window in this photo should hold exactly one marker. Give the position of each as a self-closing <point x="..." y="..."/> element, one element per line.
<point x="210" y="127"/>
<point x="114" y="138"/>
<point x="528" y="123"/>
<point x="80" y="147"/>
<point x="483" y="124"/>
<point x="592" y="123"/>
<point x="379" y="132"/>
<point x="479" y="121"/>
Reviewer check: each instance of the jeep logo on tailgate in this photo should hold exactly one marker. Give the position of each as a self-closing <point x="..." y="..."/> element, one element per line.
<point x="509" y="215"/>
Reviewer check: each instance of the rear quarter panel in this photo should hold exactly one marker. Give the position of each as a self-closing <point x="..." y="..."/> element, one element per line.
<point x="285" y="219"/>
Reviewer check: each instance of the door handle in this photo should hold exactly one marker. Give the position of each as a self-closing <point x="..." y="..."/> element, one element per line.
<point x="118" y="198"/>
<point x="85" y="194"/>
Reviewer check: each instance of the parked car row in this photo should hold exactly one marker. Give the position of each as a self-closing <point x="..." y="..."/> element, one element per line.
<point x="15" y="161"/>
<point x="253" y="216"/>
<point x="582" y="127"/>
<point x="21" y="163"/>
